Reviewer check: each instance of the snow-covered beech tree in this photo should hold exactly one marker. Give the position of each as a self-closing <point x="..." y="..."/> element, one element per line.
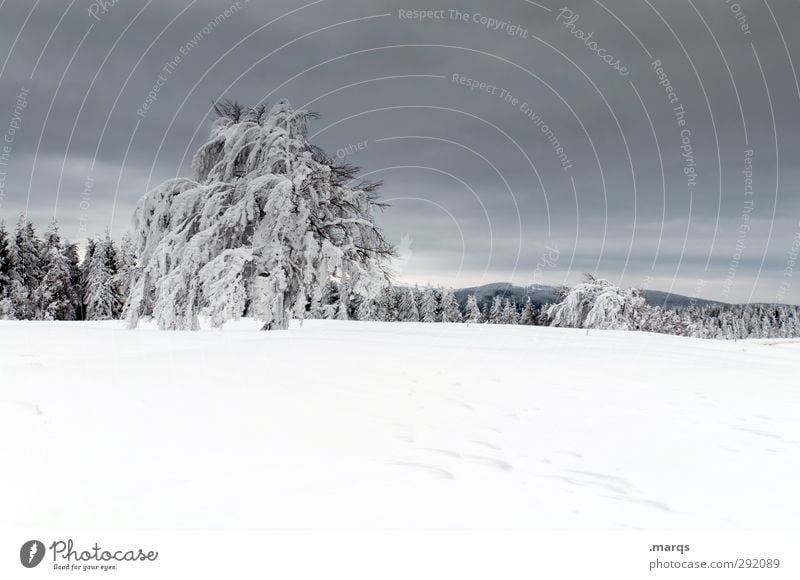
<point x="473" y="313"/>
<point x="596" y="303"/>
<point x="573" y="309"/>
<point x="264" y="224"/>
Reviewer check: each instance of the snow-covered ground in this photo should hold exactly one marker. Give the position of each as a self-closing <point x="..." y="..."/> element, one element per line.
<point x="357" y="424"/>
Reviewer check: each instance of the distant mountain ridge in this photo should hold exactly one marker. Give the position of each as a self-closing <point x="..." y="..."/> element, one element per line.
<point x="541" y="294"/>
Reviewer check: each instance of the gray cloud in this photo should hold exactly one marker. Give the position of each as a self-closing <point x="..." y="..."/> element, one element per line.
<point x="457" y="162"/>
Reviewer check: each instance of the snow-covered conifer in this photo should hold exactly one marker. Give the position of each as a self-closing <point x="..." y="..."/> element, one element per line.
<point x="408" y="310"/>
<point x="102" y="297"/>
<point x="528" y="316"/>
<point x="27" y="270"/>
<point x="429" y="306"/>
<point x="368" y="309"/>
<point x="387" y="303"/>
<point x="473" y="313"/>
<point x="449" y="306"/>
<point x="496" y="311"/>
<point x="6" y="263"/>
<point x="125" y="262"/>
<point x="509" y="314"/>
<point x="55" y="296"/>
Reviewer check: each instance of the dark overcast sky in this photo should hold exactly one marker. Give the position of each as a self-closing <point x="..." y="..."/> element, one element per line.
<point x="477" y="189"/>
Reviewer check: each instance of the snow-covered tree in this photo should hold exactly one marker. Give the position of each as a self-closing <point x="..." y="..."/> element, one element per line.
<point x="125" y="266"/>
<point x="449" y="306"/>
<point x="473" y="313"/>
<point x="27" y="270"/>
<point x="528" y="316"/>
<point x="388" y="306"/>
<point x="55" y="297"/>
<point x="575" y="306"/>
<point x="429" y="306"/>
<point x="496" y="311"/>
<point x="368" y="309"/>
<point x="408" y="310"/>
<point x="102" y="298"/>
<point x="73" y="259"/>
<point x="509" y="314"/>
<point x="616" y="309"/>
<point x="6" y="265"/>
<point x="267" y="214"/>
<point x="596" y="303"/>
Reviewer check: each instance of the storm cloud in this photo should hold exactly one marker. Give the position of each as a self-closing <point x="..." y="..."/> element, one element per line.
<point x="651" y="142"/>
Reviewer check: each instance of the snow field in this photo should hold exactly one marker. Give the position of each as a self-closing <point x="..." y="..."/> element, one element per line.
<point x="395" y="425"/>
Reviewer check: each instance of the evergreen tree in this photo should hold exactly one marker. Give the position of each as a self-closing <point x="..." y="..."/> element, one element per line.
<point x="327" y="304"/>
<point x="102" y="298"/>
<point x="473" y="313"/>
<point x="368" y="309"/>
<point x="55" y="297"/>
<point x="528" y="316"/>
<point x="408" y="310"/>
<point x="6" y="264"/>
<point x="27" y="270"/>
<point x="449" y="306"/>
<point x="429" y="308"/>
<point x="388" y="308"/>
<point x="125" y="267"/>
<point x="74" y="263"/>
<point x="496" y="311"/>
<point x="509" y="314"/>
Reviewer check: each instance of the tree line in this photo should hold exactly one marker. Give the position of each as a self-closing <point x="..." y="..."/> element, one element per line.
<point x="47" y="279"/>
<point x="592" y="304"/>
